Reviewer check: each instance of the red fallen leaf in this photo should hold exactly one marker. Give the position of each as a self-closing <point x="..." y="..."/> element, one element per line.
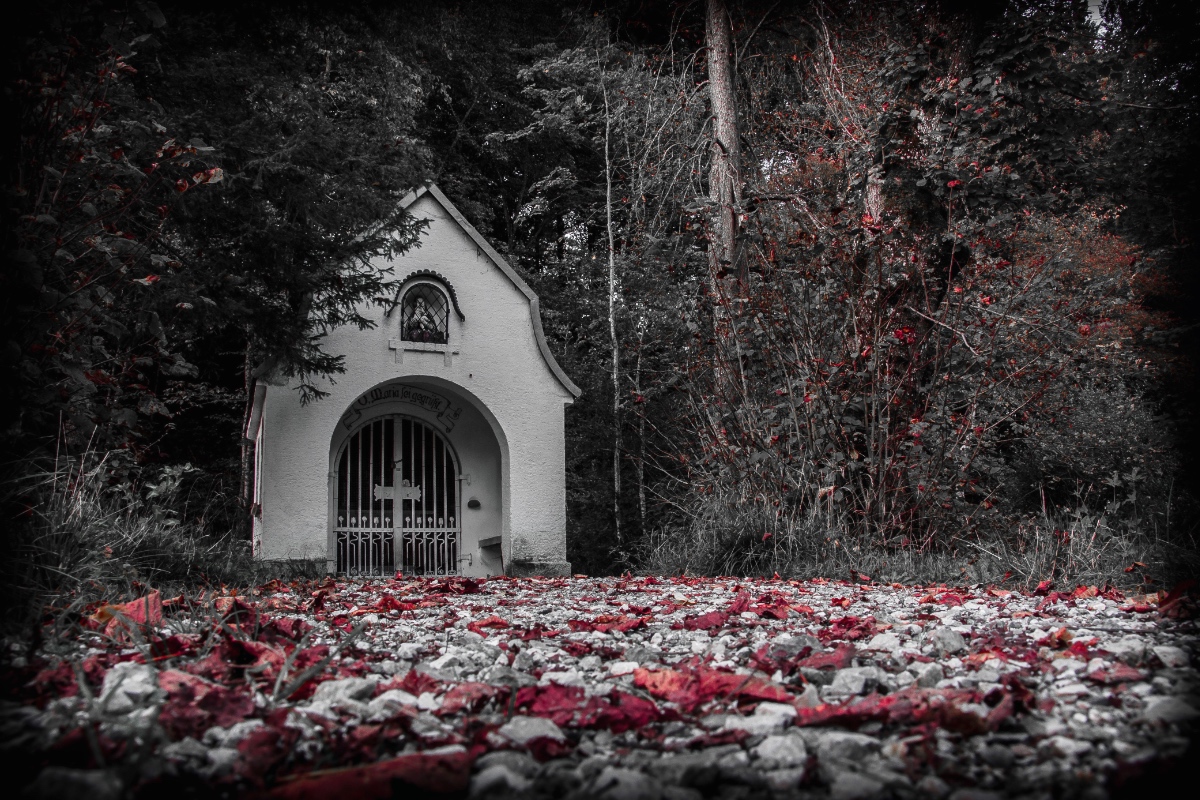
<point x="194" y="704"/>
<point x="1140" y="608"/>
<point x="288" y="627"/>
<point x="1043" y="588"/>
<point x="262" y="750"/>
<point x="538" y="631"/>
<point x="146" y="610"/>
<point x="468" y="697"/>
<point x="1082" y="592"/>
<point x="543" y="748"/>
<point x="951" y="599"/>
<point x="667" y="684"/>
<point x="184" y="685"/>
<point x="838" y="659"/>
<point x="961" y="720"/>
<point x="309" y="657"/>
<point x="577" y="649"/>
<point x="1117" y="673"/>
<point x="690" y="690"/>
<point x="713" y="683"/>
<point x="413" y="682"/>
<point x="173" y="646"/>
<point x="739" y="604"/>
<point x="227" y="706"/>
<point x="713" y="619"/>
<point x="1059" y="639"/>
<point x="556" y="703"/>
<point x="387" y="602"/>
<point x="260" y="657"/>
<point x="618" y="713"/>
<point x="802" y="609"/>
<point x="998" y="592"/>
<point x="57" y="681"/>
<point x="493" y="621"/>
<point x="631" y="623"/>
<point x="442" y="773"/>
<point x="777" y="611"/>
<point x="1083" y="649"/>
<point x="1176" y="596"/>
<point x="278" y="603"/>
<point x="224" y="605"/>
<point x="844" y="602"/>
<point x="362" y="742"/>
<point x="1052" y="598"/>
<point x="456" y="585"/>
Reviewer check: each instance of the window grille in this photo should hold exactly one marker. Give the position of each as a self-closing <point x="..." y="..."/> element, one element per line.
<point x="424" y="315"/>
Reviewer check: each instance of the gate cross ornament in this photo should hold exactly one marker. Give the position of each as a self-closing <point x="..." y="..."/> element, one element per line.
<point x="389" y="493"/>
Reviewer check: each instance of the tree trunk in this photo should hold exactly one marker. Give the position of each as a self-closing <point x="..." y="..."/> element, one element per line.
<point x="724" y="175"/>
<point x="612" y="319"/>
<point x="247" y="447"/>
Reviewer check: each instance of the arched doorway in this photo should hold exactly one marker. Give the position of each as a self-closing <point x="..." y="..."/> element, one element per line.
<point x="396" y="500"/>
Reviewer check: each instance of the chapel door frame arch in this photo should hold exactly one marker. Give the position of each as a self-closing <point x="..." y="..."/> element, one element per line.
<point x="341" y="434"/>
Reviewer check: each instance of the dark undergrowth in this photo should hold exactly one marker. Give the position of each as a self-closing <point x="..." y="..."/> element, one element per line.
<point x="1082" y="547"/>
<point x="78" y="540"/>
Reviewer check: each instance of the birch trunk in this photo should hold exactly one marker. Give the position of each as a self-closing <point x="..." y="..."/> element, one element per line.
<point x="612" y="318"/>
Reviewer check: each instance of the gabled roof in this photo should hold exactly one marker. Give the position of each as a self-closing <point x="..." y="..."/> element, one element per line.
<point x="535" y="313"/>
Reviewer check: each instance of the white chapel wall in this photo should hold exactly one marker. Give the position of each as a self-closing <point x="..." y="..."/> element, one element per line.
<point x="498" y="364"/>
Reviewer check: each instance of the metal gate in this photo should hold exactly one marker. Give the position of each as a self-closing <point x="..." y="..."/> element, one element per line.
<point x="391" y="463"/>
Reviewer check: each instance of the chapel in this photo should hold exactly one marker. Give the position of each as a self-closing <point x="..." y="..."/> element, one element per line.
<point x="440" y="450"/>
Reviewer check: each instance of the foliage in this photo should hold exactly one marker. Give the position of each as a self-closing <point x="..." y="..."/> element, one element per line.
<point x="966" y="240"/>
<point x="83" y="538"/>
<point x="935" y="299"/>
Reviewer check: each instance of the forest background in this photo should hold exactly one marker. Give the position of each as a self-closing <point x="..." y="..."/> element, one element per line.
<point x="905" y="291"/>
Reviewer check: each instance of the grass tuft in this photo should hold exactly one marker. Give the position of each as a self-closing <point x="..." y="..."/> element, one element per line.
<point x="726" y="538"/>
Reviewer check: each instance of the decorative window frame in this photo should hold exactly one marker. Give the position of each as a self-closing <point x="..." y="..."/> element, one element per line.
<point x="439" y="283"/>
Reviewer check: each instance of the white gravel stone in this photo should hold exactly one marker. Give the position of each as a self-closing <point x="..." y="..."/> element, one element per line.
<point x="928" y="674"/>
<point x="854" y="680"/>
<point x="1171" y="656"/>
<point x="844" y="745"/>
<point x="783" y="780"/>
<point x="127" y="687"/>
<point x="616" y="783"/>
<point x="886" y="641"/>
<point x="568" y="677"/>
<point x="388" y="703"/>
<point x="1168" y="709"/>
<point x="948" y="641"/>
<point x="497" y="777"/>
<point x="781" y="751"/>
<point x="524" y="729"/>
<point x="353" y="689"/>
<point x="1129" y="649"/>
<point x="852" y="786"/>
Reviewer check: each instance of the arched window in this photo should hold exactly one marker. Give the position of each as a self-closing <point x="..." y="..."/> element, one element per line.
<point x="424" y="314"/>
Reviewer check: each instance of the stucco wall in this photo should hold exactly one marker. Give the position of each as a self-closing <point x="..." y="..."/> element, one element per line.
<point x="514" y="423"/>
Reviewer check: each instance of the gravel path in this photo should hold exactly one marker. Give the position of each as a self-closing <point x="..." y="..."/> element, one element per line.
<point x="612" y="688"/>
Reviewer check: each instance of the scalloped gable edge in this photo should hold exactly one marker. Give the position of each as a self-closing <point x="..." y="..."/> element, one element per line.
<point x="535" y="313"/>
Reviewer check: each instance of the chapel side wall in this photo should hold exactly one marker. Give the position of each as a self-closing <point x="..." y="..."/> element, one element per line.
<point x="295" y="482"/>
<point x="538" y="485"/>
